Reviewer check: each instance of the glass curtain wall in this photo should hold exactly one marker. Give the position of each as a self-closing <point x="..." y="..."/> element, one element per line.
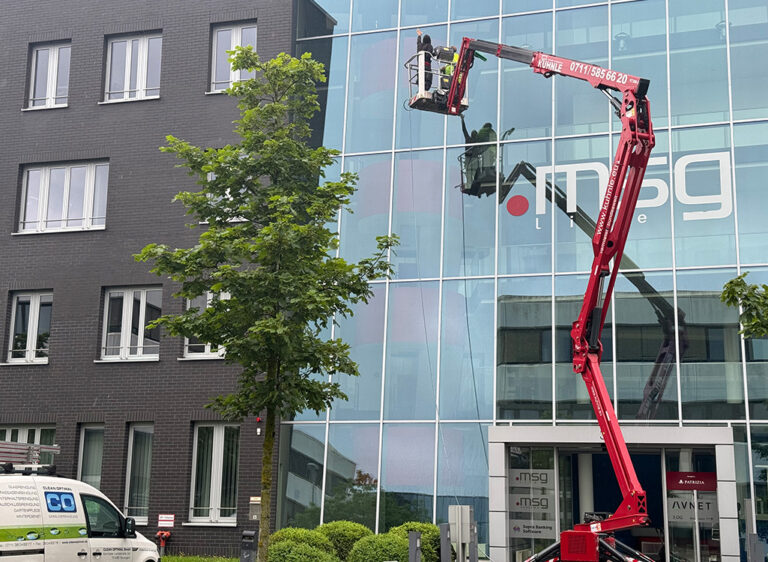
<point x="495" y="239"/>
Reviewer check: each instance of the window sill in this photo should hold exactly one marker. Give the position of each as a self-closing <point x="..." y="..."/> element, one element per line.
<point x="44" y="107"/>
<point x="58" y="230"/>
<point x="215" y="93"/>
<point x="22" y="363"/>
<point x="129" y="100"/>
<point x="201" y="358"/>
<point x="209" y="524"/>
<point x="131" y="360"/>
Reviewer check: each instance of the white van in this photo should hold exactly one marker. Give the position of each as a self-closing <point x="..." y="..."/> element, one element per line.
<point x="51" y="519"/>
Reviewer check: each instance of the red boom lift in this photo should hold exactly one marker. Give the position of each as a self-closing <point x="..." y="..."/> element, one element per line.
<point x="591" y="541"/>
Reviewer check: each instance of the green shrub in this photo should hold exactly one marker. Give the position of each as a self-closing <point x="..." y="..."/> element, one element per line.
<point x="344" y="535"/>
<point x="292" y="551"/>
<point x="379" y="548"/>
<point x="303" y="536"/>
<point x="430" y="538"/>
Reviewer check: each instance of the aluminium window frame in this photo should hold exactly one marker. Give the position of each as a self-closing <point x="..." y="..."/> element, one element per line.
<point x="125" y="324"/>
<point x="30" y="354"/>
<point x="52" y="75"/>
<point x="235" y="41"/>
<point x="217" y="469"/>
<point x="149" y="428"/>
<point x="206" y="353"/>
<point x="43" y="197"/>
<point x="142" y="68"/>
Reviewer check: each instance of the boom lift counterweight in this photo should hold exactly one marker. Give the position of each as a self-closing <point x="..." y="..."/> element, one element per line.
<point x="590" y="541"/>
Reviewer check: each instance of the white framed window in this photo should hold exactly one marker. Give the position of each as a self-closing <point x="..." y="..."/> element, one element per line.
<point x="213" y="496"/>
<point x="126" y="315"/>
<point x="91" y="454"/>
<point x="140" y="441"/>
<point x="49" y="76"/>
<point x="193" y="347"/>
<point x="226" y="38"/>
<point x="33" y="435"/>
<point x="64" y="197"/>
<point x="133" y="68"/>
<point x="30" y="327"/>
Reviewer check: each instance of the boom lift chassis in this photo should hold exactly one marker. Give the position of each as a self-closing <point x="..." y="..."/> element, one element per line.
<point x="591" y="541"/>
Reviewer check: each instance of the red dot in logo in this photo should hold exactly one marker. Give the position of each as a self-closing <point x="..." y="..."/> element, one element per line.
<point x="517" y="205"/>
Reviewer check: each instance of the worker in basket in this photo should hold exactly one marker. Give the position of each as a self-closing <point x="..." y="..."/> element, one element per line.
<point x="480" y="159"/>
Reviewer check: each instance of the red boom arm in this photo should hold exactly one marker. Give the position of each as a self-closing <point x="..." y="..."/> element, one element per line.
<point x="608" y="242"/>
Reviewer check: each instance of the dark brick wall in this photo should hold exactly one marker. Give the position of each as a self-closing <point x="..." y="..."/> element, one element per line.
<point x="72" y="390"/>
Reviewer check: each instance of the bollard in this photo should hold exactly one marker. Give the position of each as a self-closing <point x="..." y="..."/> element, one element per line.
<point x="248" y="546"/>
<point x="445" y="542"/>
<point x="414" y="546"/>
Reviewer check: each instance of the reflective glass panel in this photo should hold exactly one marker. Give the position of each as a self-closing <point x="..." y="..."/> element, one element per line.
<point x="230" y="454"/>
<point x="76" y="203"/>
<point x="710" y="372"/>
<point x="364" y="332"/>
<point x="467" y="9"/>
<point x="153" y="311"/>
<point x="43" y="326"/>
<point x="748" y="21"/>
<point x="517" y="6"/>
<point x="646" y="352"/>
<point x="760" y="476"/>
<point x="154" y="50"/>
<point x="581" y="35"/>
<point x="56" y="192"/>
<point x="411" y="357"/>
<point x="20" y="328"/>
<point x="470" y="218"/>
<point x="31" y="200"/>
<point x="649" y="243"/>
<point x="466" y="350"/>
<point x="421" y="12"/>
<point x="697" y="61"/>
<point x="352" y="473"/>
<point x="638" y="47"/>
<point x="114" y="323"/>
<point x="100" y="194"/>
<point x="526" y="97"/>
<point x="91" y="455"/>
<point x="756" y="350"/>
<point x="371" y="92"/>
<point x="132" y="84"/>
<point x="582" y="170"/>
<point x="525" y="216"/>
<point x="524" y="356"/>
<point x="140" y="468"/>
<point x="327" y="124"/>
<point x="751" y="153"/>
<point x="367" y="15"/>
<point x="308" y="414"/>
<point x="300" y="475"/>
<point x="525" y="463"/>
<point x="40" y="86"/>
<point x="416" y="213"/>
<point x="571" y="393"/>
<point x="368" y="216"/>
<point x="482" y="83"/>
<point x="462" y="473"/>
<point x="117" y="70"/>
<point x="407" y="474"/>
<point x="322" y="17"/>
<point x="419" y="128"/>
<point x="704" y="223"/>
<point x="62" y="75"/>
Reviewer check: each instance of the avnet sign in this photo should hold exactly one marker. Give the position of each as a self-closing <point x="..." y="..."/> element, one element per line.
<point x="716" y="204"/>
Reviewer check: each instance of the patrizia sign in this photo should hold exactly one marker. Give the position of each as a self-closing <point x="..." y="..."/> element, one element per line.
<point x="701" y="481"/>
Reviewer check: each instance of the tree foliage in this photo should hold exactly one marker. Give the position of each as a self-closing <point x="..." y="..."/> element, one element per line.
<point x="753" y="300"/>
<point x="266" y="250"/>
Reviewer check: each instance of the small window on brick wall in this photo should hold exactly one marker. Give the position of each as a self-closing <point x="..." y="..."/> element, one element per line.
<point x="49" y="76"/>
<point x="226" y="38"/>
<point x="30" y="327"/>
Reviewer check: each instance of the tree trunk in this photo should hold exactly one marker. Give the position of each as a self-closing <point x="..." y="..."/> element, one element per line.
<point x="265" y="525"/>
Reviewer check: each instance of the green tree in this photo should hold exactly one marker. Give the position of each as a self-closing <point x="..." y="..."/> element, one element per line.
<point x="753" y="300"/>
<point x="267" y="246"/>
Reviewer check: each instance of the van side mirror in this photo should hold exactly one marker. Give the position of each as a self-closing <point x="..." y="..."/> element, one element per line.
<point x="130" y="528"/>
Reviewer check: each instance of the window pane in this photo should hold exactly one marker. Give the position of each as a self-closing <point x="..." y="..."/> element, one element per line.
<point x="248" y="37"/>
<point x="515" y="6"/>
<point x="153" y="311"/>
<point x="32" y="200"/>
<point x="140" y="469"/>
<point x="135" y="323"/>
<point x="194" y="345"/>
<point x="223" y="43"/>
<point x="751" y="155"/>
<point x="406" y="487"/>
<point x="103" y="519"/>
<point x="421" y="12"/>
<point x="757" y="362"/>
<point x="117" y="70"/>
<point x="44" y="325"/>
<point x="710" y="371"/>
<point x="301" y="476"/>
<point x="20" y="328"/>
<point x="93" y="450"/>
<point x="465" y="9"/>
<point x="100" y="195"/>
<point x="62" y="75"/>
<point x="47" y="437"/>
<point x="466" y="359"/>
<point x="374" y="15"/>
<point x="201" y="503"/>
<point x="133" y="84"/>
<point x="229" y="472"/>
<point x="56" y="189"/>
<point x="748" y="21"/>
<point x="322" y="17"/>
<point x="411" y="362"/>
<point x="114" y="323"/>
<point x="154" y="52"/>
<point x="40" y="86"/>
<point x="524" y="372"/>
<point x="697" y="60"/>
<point x="76" y="202"/>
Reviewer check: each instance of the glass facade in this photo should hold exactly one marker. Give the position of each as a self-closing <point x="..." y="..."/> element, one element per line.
<point x="500" y="273"/>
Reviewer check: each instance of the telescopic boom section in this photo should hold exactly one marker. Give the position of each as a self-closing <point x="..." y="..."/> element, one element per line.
<point x="608" y="242"/>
